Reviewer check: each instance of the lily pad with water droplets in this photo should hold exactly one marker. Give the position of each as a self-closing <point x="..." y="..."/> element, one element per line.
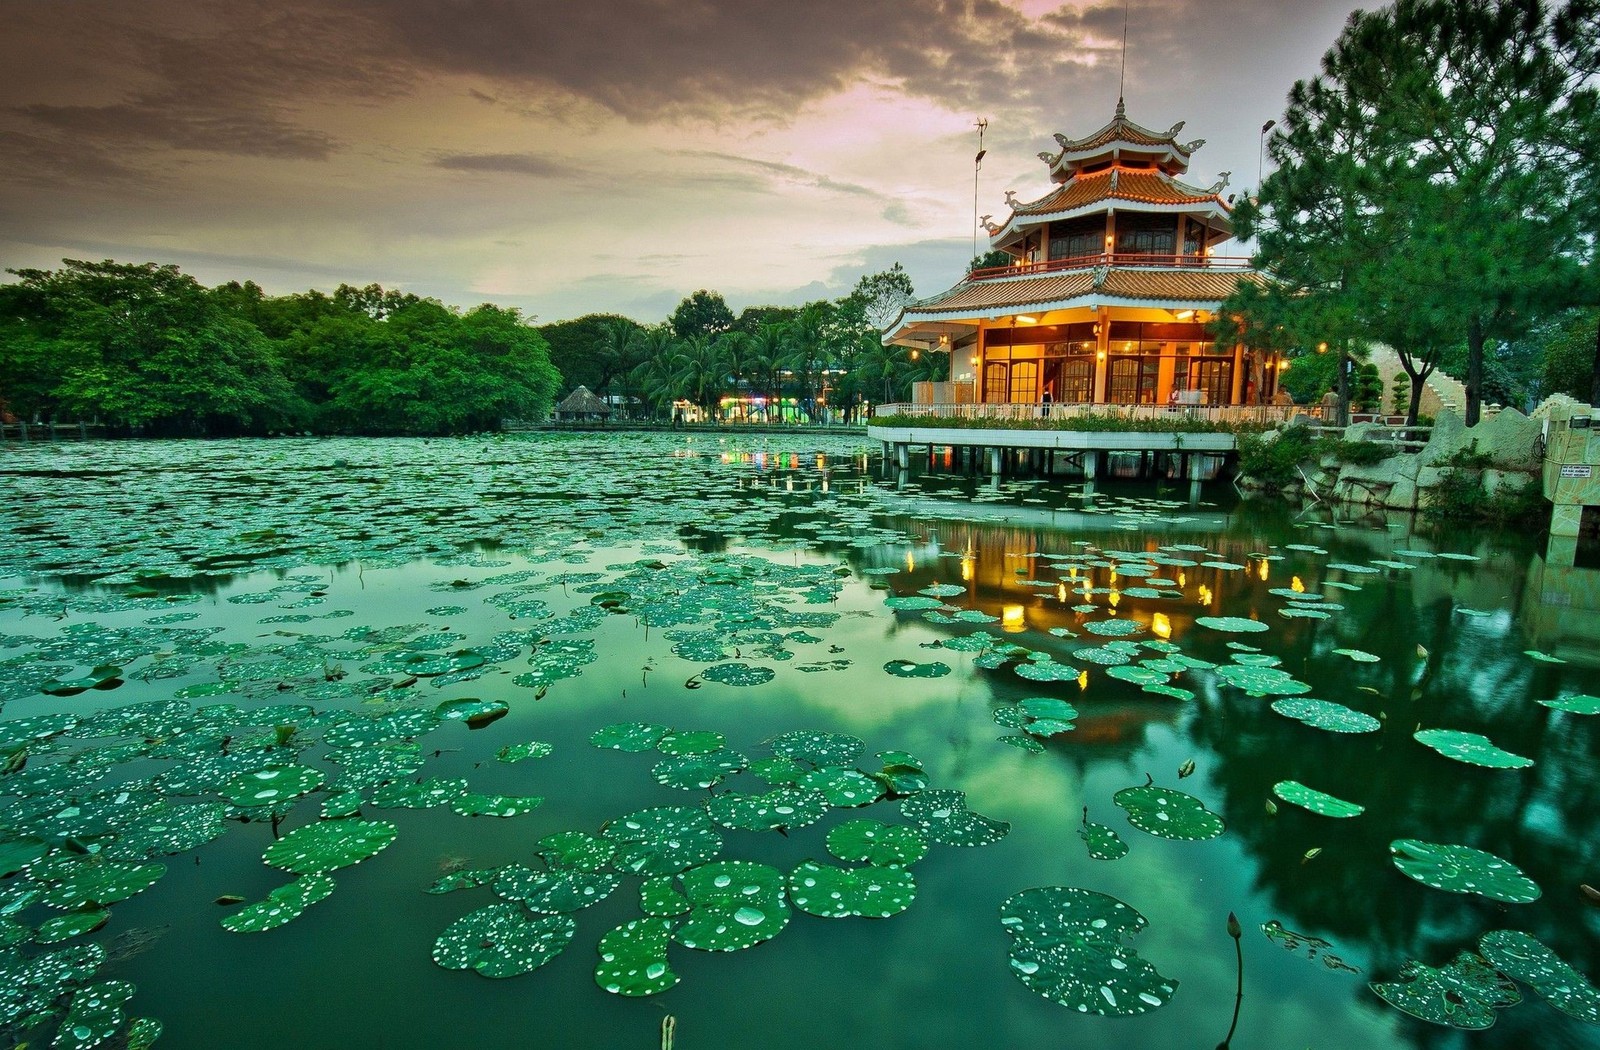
<point x="412" y="795"/>
<point x="1114" y="628"/>
<point x="555" y="891"/>
<point x="739" y="674"/>
<point x="1103" y="842"/>
<point x="478" y="804"/>
<point x="1067" y="947"/>
<point x="698" y="742"/>
<point x="629" y="736"/>
<point x="1462" y="869"/>
<point x="1545" y="658"/>
<point x="699" y="771"/>
<point x="95" y="1016"/>
<point x="943" y="817"/>
<point x="1262" y="681"/>
<point x="659" y="896"/>
<point x="30" y="984"/>
<point x="282" y="905"/>
<point x="911" y="669"/>
<point x="838" y="893"/>
<point x="785" y="808"/>
<point x="1318" y="802"/>
<point x="1231" y="624"/>
<point x="1475" y="749"/>
<point x="270" y="786"/>
<point x="520" y="752"/>
<point x="59" y="928"/>
<point x="1464" y="994"/>
<point x="84" y="881"/>
<point x="663" y="840"/>
<point x="1046" y="669"/>
<point x="1103" y="656"/>
<point x="329" y="844"/>
<point x="1526" y="959"/>
<point x="502" y="940"/>
<point x="872" y="842"/>
<point x="1168" y="814"/>
<point x="737" y="904"/>
<point x="822" y="749"/>
<point x="842" y="787"/>
<point x="472" y="710"/>
<point x="1358" y="655"/>
<point x="1577" y="704"/>
<point x="633" y="959"/>
<point x="1324" y="714"/>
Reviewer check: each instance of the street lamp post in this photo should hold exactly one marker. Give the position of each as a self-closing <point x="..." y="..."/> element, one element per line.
<point x="1261" y="150"/>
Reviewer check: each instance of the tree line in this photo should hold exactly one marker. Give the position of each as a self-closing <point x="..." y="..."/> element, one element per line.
<point x="1437" y="188"/>
<point x="145" y="348"/>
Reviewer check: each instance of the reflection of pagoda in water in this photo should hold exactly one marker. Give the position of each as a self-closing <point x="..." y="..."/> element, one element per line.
<point x="1112" y="283"/>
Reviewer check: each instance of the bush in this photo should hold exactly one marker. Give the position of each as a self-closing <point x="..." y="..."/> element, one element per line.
<point x="1360" y="453"/>
<point x="1275" y="462"/>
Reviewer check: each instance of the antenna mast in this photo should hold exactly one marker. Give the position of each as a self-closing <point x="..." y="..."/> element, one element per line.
<point x="1123" y="76"/>
<point x="982" y="124"/>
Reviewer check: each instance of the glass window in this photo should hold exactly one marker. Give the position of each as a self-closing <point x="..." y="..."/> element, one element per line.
<point x="1075" y="239"/>
<point x="995" y="388"/>
<point x="1139" y="234"/>
<point x="1025" y="381"/>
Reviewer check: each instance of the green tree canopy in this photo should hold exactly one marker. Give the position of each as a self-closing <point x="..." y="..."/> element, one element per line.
<point x="703" y="313"/>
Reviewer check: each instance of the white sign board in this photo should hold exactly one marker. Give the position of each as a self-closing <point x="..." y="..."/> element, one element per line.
<point x="1577" y="471"/>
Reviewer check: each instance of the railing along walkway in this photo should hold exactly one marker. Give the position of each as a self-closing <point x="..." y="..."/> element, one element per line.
<point x="1064" y="412"/>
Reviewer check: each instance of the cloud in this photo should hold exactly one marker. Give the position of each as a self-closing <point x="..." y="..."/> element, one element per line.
<point x="213" y="129"/>
<point x="506" y="164"/>
<point x="776" y="173"/>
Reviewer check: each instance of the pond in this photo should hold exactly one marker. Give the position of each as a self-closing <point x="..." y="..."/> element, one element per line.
<point x="611" y="741"/>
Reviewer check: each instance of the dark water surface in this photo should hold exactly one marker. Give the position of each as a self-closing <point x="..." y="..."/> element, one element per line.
<point x="339" y="578"/>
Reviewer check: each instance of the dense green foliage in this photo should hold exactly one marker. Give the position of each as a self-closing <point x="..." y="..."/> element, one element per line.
<point x="1273" y="459"/>
<point x="146" y="348"/>
<point x="1434" y="186"/>
<point x="1567" y="349"/>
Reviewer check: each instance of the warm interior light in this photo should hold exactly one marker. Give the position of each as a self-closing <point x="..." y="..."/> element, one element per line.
<point x="1322" y="348"/>
<point x="1101" y="355"/>
<point x="1027" y="319"/>
<point x="914" y="354"/>
<point x="1184" y="315"/>
<point x="1011" y="618"/>
<point x="1160" y="626"/>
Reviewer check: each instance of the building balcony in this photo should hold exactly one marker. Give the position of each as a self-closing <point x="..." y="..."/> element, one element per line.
<point x="1131" y="260"/>
<point x="1060" y="415"/>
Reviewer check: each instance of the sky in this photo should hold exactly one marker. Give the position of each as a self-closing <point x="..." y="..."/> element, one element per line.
<point x="608" y="156"/>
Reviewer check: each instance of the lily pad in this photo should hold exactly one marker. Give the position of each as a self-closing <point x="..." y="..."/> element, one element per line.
<point x="1578" y="704"/>
<point x="629" y="736"/>
<point x="737" y="904"/>
<point x="1168" y="814"/>
<point x="697" y="772"/>
<point x="838" y="893"/>
<point x="739" y="674"/>
<point x="329" y="844"/>
<point x="1462" y="869"/>
<point x="1067" y="947"/>
<point x="1316" y="801"/>
<point x="943" y="817"/>
<point x="663" y="840"/>
<point x="1103" y="842"/>
<point x="472" y="710"/>
<point x="521" y="752"/>
<point x="94" y="1017"/>
<point x="556" y="891"/>
<point x="478" y="804"/>
<point x="1475" y="749"/>
<point x="911" y="669"/>
<point x="1231" y="624"/>
<point x="842" y="787"/>
<point x="282" y="904"/>
<point x="502" y="940"/>
<point x="407" y="794"/>
<point x="822" y="749"/>
<point x="633" y="959"/>
<point x="80" y="882"/>
<point x="272" y="785"/>
<point x="73" y="924"/>
<point x="783" y="808"/>
<point x="1464" y="994"/>
<point x="699" y="742"/>
<point x="1526" y="959"/>
<point x="1324" y="714"/>
<point x="872" y="842"/>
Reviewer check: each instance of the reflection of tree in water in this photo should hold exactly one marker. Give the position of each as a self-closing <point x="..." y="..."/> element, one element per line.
<point x="1545" y="819"/>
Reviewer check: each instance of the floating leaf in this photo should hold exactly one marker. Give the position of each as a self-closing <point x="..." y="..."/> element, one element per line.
<point x="1324" y="714"/>
<point x="502" y="940"/>
<point x="784" y="808"/>
<point x="95" y="1015"/>
<point x="329" y="844"/>
<point x="1526" y="959"/>
<point x="633" y="959"/>
<point x="476" y="804"/>
<point x="885" y="845"/>
<point x="736" y="904"/>
<point x="1103" y="842"/>
<point x="282" y="904"/>
<point x="1359" y="656"/>
<point x="1464" y="994"/>
<point x="1579" y="704"/>
<point x="842" y="787"/>
<point x="697" y="772"/>
<point x="472" y="710"/>
<point x="1067" y="946"/>
<point x="1231" y="624"/>
<point x="1462" y="869"/>
<point x="822" y="749"/>
<point x="837" y="893"/>
<point x="1316" y="801"/>
<point x="944" y="817"/>
<point x="425" y="794"/>
<point x="1472" y="748"/>
<point x="270" y="786"/>
<point x="1168" y="814"/>
<point x="80" y="881"/>
<point x="739" y="674"/>
<point x="662" y="841"/>
<point x="910" y="669"/>
<point x="556" y="891"/>
<point x="700" y="742"/>
<point x="629" y="736"/>
<point x="74" y="924"/>
<point x="1543" y="657"/>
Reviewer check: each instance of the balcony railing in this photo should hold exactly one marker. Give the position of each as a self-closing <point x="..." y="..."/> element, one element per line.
<point x="1060" y="413"/>
<point x="1086" y="262"/>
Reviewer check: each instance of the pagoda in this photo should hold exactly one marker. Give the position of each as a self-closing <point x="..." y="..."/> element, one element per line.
<point x="1111" y="284"/>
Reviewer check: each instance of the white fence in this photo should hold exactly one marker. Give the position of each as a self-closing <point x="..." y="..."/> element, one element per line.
<point x="1063" y="412"/>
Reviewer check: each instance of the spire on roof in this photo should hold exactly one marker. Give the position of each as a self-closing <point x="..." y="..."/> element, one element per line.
<point x="1122" y="109"/>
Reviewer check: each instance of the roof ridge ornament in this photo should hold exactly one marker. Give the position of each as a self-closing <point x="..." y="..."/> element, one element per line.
<point x="1122" y="109"/>
<point x="1221" y="183"/>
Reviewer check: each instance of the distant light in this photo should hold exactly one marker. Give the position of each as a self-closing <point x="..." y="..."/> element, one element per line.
<point x="1026" y="319"/>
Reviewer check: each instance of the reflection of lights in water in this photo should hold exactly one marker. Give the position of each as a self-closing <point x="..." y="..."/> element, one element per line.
<point x="1114" y="598"/>
<point x="1295" y="585"/>
<point x="1083" y="679"/>
<point x="1113" y="579"/>
<point x="824" y="484"/>
<point x="1061" y="592"/>
<point x="1011" y="618"/>
<point x="1160" y="626"/>
<point x="1072" y="572"/>
<point x="967" y="561"/>
<point x="1262" y="571"/>
<point x="1183" y="581"/>
<point x="822" y="461"/>
<point x="1205" y="595"/>
<point x="790" y="485"/>
<point x="911" y="562"/>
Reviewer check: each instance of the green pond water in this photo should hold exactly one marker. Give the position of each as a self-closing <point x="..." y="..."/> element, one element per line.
<point x="346" y="673"/>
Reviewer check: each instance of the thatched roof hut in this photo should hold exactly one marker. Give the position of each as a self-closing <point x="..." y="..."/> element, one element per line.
<point x="582" y="404"/>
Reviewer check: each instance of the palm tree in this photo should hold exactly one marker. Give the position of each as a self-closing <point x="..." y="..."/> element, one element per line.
<point x="763" y="362"/>
<point x="809" y="354"/>
<point x="619" y="348"/>
<point x="735" y="347"/>
<point x="700" y="371"/>
<point x="653" y="374"/>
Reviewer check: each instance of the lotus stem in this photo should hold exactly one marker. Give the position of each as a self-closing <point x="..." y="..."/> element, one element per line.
<point x="1234" y="931"/>
<point x="669" y="1026"/>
